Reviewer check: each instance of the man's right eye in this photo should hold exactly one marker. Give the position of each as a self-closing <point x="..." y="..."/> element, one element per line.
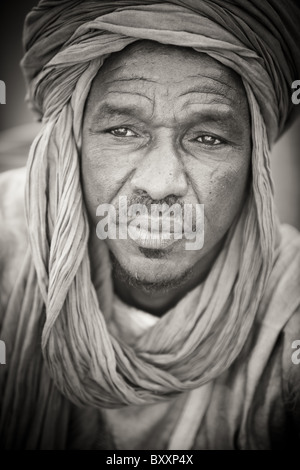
<point x="122" y="132"/>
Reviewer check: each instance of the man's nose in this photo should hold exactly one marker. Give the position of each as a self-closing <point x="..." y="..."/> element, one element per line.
<point x="160" y="173"/>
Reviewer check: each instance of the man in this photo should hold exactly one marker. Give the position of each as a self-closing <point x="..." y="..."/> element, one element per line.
<point x="135" y="343"/>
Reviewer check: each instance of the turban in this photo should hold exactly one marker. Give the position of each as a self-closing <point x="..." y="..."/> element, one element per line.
<point x="269" y="28"/>
<point x="66" y="43"/>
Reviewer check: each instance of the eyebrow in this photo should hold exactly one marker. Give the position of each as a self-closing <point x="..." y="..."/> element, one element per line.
<point x="226" y="116"/>
<point x="132" y="79"/>
<point x="212" y="88"/>
<point x="208" y="89"/>
<point x="132" y="93"/>
<point x="108" y="110"/>
<point x="206" y="92"/>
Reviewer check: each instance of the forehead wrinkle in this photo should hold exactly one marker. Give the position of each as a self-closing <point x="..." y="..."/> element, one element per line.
<point x="109" y="109"/>
<point x="214" y="99"/>
<point x="132" y="79"/>
<point x="131" y="93"/>
<point x="206" y="89"/>
<point x="236" y="88"/>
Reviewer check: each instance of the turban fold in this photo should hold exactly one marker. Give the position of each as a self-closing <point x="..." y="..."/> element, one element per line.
<point x="67" y="43"/>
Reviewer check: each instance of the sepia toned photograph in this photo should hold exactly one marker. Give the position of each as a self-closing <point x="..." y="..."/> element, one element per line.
<point x="149" y="227"/>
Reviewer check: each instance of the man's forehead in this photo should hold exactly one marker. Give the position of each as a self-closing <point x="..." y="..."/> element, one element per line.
<point x="145" y="63"/>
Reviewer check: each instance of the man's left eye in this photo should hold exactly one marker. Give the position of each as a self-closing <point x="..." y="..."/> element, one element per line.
<point x="123" y="132"/>
<point x="208" y="140"/>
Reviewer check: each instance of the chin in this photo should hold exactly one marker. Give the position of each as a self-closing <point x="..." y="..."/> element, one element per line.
<point x="151" y="274"/>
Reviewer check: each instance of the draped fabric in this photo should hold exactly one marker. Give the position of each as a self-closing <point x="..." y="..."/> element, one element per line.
<point x="54" y="307"/>
<point x="270" y="28"/>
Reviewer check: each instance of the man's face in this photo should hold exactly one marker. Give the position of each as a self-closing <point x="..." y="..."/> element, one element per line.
<point x="171" y="125"/>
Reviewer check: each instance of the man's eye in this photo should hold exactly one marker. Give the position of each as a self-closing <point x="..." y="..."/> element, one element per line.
<point x="122" y="132"/>
<point x="209" y="140"/>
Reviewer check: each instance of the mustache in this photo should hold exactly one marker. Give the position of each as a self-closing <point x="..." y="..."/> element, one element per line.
<point x="148" y="202"/>
<point x="159" y="208"/>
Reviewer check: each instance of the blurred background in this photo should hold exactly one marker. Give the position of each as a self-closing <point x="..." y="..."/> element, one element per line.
<point x="18" y="129"/>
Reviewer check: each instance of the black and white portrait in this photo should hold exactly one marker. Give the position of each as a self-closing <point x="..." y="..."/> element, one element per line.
<point x="149" y="225"/>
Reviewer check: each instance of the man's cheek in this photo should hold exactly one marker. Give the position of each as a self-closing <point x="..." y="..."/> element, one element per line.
<point x="102" y="178"/>
<point x="224" y="199"/>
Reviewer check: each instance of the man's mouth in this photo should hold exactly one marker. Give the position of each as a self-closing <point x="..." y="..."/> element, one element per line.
<point x="151" y="240"/>
<point x="153" y="233"/>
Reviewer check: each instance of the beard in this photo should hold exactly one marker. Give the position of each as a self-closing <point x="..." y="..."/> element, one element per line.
<point x="160" y="286"/>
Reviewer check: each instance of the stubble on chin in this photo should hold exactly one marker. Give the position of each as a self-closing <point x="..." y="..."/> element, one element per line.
<point x="160" y="286"/>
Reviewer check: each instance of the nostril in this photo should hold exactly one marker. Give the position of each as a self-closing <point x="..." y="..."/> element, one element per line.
<point x="140" y="192"/>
